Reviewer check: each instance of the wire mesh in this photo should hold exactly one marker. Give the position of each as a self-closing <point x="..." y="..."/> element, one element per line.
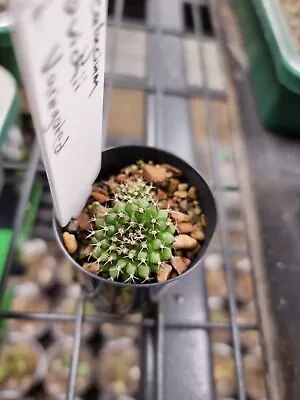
<point x="155" y="326"/>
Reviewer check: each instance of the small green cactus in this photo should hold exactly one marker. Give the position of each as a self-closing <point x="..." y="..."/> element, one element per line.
<point x="134" y="237"/>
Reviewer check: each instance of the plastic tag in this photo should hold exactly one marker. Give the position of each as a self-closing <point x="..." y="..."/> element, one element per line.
<point x="60" y="47"/>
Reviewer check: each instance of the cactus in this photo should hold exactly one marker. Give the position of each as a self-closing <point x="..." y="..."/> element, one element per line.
<point x="134" y="237"/>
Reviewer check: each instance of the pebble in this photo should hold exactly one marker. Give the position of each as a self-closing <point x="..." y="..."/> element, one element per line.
<point x="173" y="275"/>
<point x="34" y="248"/>
<point x="191" y="254"/>
<point x="181" y="264"/>
<point x="192" y="193"/>
<point x="173" y="186"/>
<point x="179" y="216"/>
<point x="180" y="194"/>
<point x="84" y="221"/>
<point x="72" y="226"/>
<point x="244" y="287"/>
<point x="254" y="376"/>
<point x="70" y="242"/>
<point x="203" y="220"/>
<point x="186" y="227"/>
<point x="164" y="272"/>
<point x="197" y="234"/>
<point x="97" y="210"/>
<point x="155" y="174"/>
<point x="121" y="178"/>
<point x="213" y="261"/>
<point x="183" y="187"/>
<point x="174" y="170"/>
<point x="161" y="195"/>
<point x="101" y="197"/>
<point x="86" y="251"/>
<point x="184" y="242"/>
<point x="244" y="264"/>
<point x="91" y="267"/>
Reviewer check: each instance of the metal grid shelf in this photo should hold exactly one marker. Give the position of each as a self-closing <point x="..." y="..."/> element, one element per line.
<point x="161" y="327"/>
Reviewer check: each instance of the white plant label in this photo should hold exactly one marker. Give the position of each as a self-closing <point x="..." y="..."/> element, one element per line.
<point x="60" y="47"/>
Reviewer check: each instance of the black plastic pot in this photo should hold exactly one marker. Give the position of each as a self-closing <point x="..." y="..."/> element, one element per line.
<point x="123" y="298"/>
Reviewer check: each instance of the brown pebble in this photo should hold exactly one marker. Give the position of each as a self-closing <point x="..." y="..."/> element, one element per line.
<point x="102" y="198"/>
<point x="181" y="264"/>
<point x="72" y="226"/>
<point x="192" y="193"/>
<point x="163" y="204"/>
<point x="164" y="272"/>
<point x="191" y="254"/>
<point x="161" y="195"/>
<point x="84" y="221"/>
<point x="180" y="195"/>
<point x="173" y="274"/>
<point x="85" y="252"/>
<point x="179" y="216"/>
<point x="174" y="170"/>
<point x="173" y="186"/>
<point x="184" y="242"/>
<point x="198" y="234"/>
<point x="155" y="173"/>
<point x="185" y="227"/>
<point x="183" y="187"/>
<point x="121" y="178"/>
<point x="97" y="210"/>
<point x="70" y="242"/>
<point x="203" y="220"/>
<point x="184" y="205"/>
<point x="112" y="184"/>
<point x="100" y="189"/>
<point x="91" y="267"/>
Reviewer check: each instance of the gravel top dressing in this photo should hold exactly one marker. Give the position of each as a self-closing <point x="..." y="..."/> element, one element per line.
<point x="143" y="225"/>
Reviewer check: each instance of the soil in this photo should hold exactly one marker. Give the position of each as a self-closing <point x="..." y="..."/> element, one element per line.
<point x="170" y="191"/>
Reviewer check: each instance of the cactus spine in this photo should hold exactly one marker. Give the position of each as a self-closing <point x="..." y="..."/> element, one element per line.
<point x="133" y="237"/>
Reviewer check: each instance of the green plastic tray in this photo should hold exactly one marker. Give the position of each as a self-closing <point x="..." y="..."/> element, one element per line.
<point x="9" y="109"/>
<point x="7" y="55"/>
<point x="282" y="46"/>
<point x="5" y="239"/>
<point x="274" y="63"/>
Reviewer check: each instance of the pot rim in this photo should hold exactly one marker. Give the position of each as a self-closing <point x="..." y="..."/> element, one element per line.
<point x="194" y="263"/>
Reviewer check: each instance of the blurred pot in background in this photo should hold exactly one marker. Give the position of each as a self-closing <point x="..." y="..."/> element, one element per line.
<point x="244" y="281"/>
<point x="23" y="364"/>
<point x="67" y="304"/>
<point x="119" y="368"/>
<point x="254" y="375"/>
<point x="215" y="276"/>
<point x="27" y="298"/>
<point x="59" y="359"/>
<point x="224" y="370"/>
<point x="219" y="314"/>
<point x="247" y="315"/>
<point x="114" y="331"/>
